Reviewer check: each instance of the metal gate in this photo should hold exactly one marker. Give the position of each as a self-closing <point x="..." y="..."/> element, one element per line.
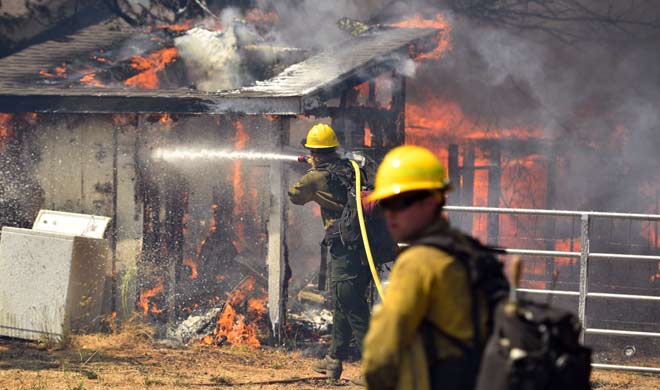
<point x="585" y="257"/>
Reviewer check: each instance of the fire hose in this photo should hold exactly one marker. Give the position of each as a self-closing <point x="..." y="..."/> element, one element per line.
<point x="363" y="229"/>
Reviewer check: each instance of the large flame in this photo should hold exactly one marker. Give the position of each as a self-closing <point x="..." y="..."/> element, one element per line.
<point x="236" y="328"/>
<point x="149" y="67"/>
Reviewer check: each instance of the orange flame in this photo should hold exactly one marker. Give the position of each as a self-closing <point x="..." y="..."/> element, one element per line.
<point x="567" y="245"/>
<point x="123" y="119"/>
<point x="149" y="67"/>
<point x="185" y="26"/>
<point x="440" y="120"/>
<point x="242" y="291"/>
<point x="232" y="325"/>
<point x="316" y="209"/>
<point x="59" y="71"/>
<point x="214" y="223"/>
<point x="443" y="43"/>
<point x="657" y="275"/>
<point x="193" y="267"/>
<point x="90" y="80"/>
<point x="257" y="305"/>
<point x="100" y="59"/>
<point x="146" y="295"/>
<point x="367" y="136"/>
<point x="165" y="118"/>
<point x="6" y="128"/>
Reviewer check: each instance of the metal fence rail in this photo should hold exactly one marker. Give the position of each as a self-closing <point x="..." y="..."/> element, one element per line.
<point x="584" y="255"/>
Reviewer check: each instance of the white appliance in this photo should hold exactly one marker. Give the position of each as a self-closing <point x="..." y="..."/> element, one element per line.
<point x="53" y="276"/>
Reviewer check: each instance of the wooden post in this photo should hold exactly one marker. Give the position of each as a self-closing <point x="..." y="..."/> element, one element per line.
<point x="467" y="187"/>
<point x="278" y="274"/>
<point x="398" y="110"/>
<point x="454" y="174"/>
<point x="494" y="190"/>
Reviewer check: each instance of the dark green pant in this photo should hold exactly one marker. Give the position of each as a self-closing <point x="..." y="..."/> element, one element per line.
<point x="350" y="280"/>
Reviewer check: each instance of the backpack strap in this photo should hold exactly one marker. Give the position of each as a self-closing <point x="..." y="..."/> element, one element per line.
<point x="446" y="244"/>
<point x="461" y="247"/>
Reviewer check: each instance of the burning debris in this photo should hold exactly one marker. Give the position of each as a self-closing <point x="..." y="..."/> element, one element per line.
<point x="239" y="320"/>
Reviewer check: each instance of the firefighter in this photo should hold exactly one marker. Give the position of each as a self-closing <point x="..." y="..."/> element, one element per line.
<point x="349" y="276"/>
<point x="428" y="295"/>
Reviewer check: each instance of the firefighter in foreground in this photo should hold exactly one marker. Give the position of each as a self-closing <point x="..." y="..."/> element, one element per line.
<point x="416" y="337"/>
<point x="349" y="276"/>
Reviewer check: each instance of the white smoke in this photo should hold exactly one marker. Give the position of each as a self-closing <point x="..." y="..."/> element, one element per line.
<point x="211" y="58"/>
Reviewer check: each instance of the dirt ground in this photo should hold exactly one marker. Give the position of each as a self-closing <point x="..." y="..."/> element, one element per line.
<point x="132" y="360"/>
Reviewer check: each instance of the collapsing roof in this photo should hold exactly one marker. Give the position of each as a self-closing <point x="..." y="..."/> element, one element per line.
<point x="299" y="88"/>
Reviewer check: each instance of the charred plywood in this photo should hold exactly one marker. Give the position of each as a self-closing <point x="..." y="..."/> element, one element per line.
<point x="87" y="165"/>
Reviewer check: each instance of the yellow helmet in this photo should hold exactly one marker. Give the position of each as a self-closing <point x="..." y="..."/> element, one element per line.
<point x="408" y="168"/>
<point x="321" y="136"/>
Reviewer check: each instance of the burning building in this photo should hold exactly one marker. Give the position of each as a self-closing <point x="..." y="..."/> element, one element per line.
<point x="85" y="122"/>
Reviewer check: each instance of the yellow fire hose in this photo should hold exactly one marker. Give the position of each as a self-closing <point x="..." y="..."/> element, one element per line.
<point x="363" y="229"/>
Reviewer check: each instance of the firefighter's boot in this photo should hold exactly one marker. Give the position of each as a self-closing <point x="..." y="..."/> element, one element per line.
<point x="330" y="367"/>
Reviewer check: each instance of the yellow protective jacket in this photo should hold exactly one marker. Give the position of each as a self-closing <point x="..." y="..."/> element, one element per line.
<point x="425" y="284"/>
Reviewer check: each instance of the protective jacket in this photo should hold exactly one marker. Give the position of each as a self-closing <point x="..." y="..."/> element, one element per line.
<point x="316" y="186"/>
<point x="428" y="289"/>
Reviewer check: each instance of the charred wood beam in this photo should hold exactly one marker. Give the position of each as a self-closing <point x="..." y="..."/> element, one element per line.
<point x="467" y="187"/>
<point x="399" y="110"/>
<point x="166" y="103"/>
<point x="454" y="175"/>
<point x="379" y="65"/>
<point x="369" y="113"/>
<point x="518" y="147"/>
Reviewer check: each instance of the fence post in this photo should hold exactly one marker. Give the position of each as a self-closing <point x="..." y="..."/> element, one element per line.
<point x="585" y="228"/>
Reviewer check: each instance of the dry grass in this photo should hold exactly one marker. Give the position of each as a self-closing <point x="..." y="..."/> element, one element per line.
<point x="130" y="359"/>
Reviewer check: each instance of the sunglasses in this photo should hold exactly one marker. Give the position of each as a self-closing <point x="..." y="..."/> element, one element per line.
<point x="402" y="202"/>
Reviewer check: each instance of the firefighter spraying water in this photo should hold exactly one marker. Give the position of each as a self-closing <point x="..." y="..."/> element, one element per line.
<point x="336" y="183"/>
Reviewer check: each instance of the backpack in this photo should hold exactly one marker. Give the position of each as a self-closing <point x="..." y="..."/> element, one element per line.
<point x="535" y="347"/>
<point x="347" y="226"/>
<point x="486" y="276"/>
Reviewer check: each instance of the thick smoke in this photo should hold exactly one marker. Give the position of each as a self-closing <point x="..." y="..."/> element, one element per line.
<point x="598" y="100"/>
<point x="212" y="59"/>
<point x="313" y="23"/>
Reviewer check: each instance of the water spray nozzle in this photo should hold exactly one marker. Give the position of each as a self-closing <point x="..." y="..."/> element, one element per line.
<point x="303" y="159"/>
